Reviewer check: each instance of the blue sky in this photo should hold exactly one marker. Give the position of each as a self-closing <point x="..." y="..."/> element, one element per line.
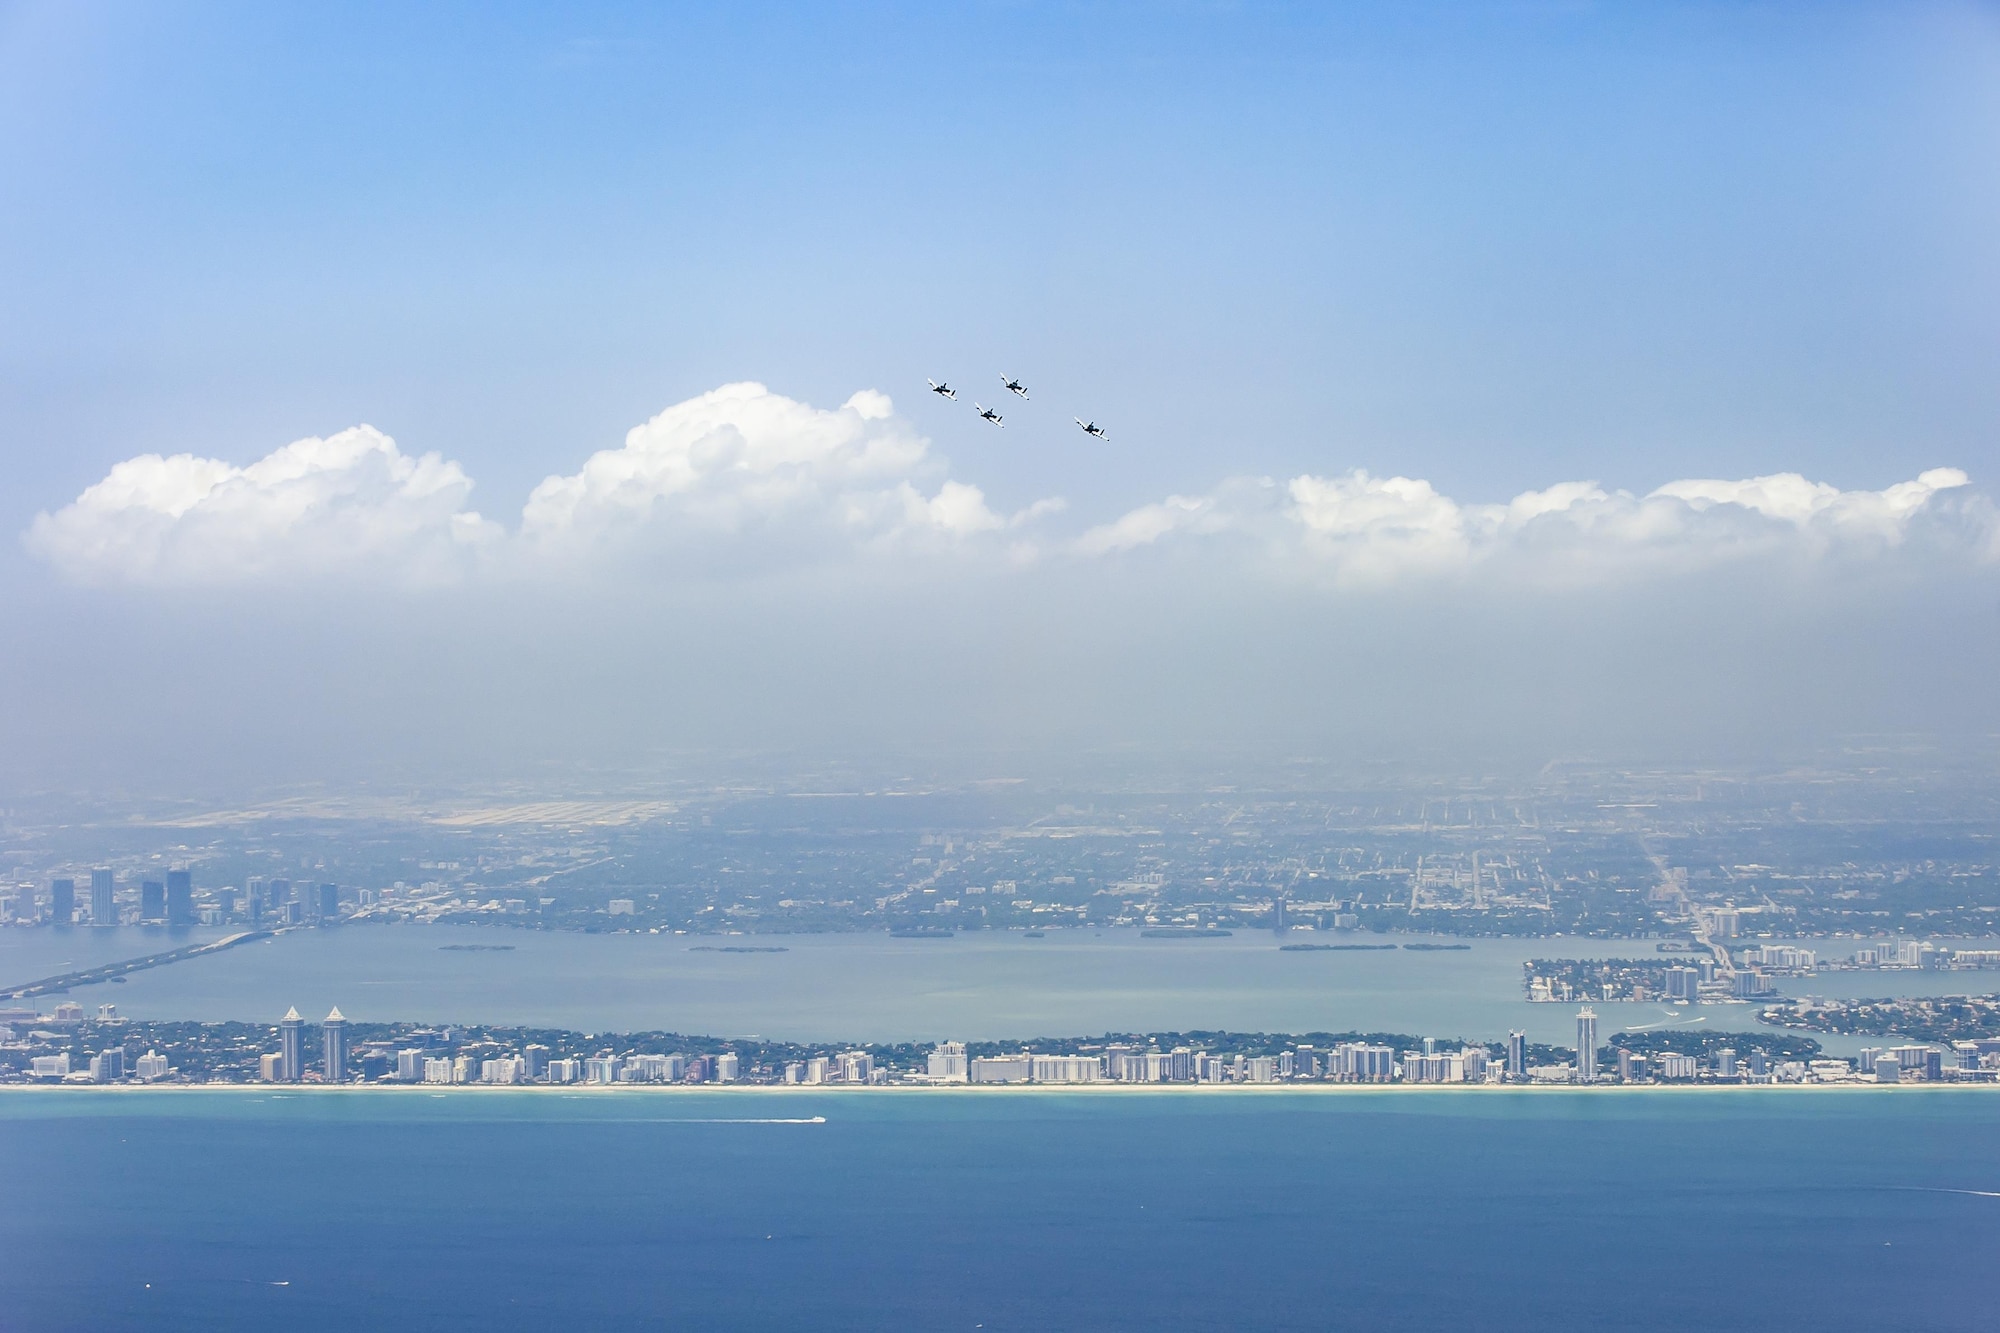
<point x="1494" y="247"/>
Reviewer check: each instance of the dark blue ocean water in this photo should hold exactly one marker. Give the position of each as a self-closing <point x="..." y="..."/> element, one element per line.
<point x="1751" y="1209"/>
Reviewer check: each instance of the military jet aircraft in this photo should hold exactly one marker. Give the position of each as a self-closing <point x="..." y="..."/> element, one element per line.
<point x="988" y="414"/>
<point x="1091" y="428"/>
<point x="1015" y="385"/>
<point x="942" y="390"/>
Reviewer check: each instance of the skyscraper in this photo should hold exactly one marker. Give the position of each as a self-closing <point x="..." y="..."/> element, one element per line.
<point x="334" y="1046"/>
<point x="329" y="901"/>
<point x="103" y="911"/>
<point x="62" y="900"/>
<point x="152" y="900"/>
<point x="1517" y="1056"/>
<point x="1586" y="1045"/>
<point x="180" y="898"/>
<point x="291" y="1047"/>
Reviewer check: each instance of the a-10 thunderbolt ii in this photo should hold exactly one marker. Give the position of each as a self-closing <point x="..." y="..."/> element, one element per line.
<point x="942" y="390"/>
<point x="1015" y="386"/>
<point x="1091" y="428"/>
<point x="988" y="414"/>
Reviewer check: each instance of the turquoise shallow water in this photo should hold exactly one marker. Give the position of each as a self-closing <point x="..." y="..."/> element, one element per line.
<point x="1669" y="1210"/>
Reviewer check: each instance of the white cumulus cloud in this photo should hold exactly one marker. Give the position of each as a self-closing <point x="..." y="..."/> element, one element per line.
<point x="750" y="474"/>
<point x="316" y="507"/>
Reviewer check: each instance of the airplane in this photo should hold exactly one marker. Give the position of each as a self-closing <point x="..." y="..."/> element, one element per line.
<point x="1092" y="428"/>
<point x="942" y="390"/>
<point x="1015" y="385"/>
<point x="988" y="414"/>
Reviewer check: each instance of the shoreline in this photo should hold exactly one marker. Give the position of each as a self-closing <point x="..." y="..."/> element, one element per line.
<point x="1108" y="1088"/>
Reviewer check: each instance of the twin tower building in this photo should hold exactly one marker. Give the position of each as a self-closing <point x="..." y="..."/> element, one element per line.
<point x="288" y="1063"/>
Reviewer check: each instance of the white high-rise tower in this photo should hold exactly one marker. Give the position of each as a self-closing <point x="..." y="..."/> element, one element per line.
<point x="291" y="1047"/>
<point x="1586" y="1045"/>
<point x="334" y="1046"/>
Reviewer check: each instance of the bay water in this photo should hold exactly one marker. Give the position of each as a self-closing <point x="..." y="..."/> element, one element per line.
<point x="875" y="987"/>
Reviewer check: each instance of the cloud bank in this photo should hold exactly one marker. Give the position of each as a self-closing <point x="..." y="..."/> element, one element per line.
<point x="1359" y="529"/>
<point x="742" y="480"/>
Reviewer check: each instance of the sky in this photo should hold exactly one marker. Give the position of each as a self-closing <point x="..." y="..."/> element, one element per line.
<point x="457" y="393"/>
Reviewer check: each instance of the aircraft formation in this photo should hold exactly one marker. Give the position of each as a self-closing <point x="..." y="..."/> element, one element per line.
<point x="1019" y="390"/>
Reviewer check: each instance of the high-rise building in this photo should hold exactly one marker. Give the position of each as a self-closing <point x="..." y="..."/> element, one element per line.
<point x="1358" y="1062"/>
<point x="180" y="898"/>
<point x="152" y="901"/>
<point x="504" y="1069"/>
<point x="291" y="1047"/>
<point x="62" y="900"/>
<point x="103" y="908"/>
<point x="1586" y="1045"/>
<point x="271" y="1068"/>
<point x="1517" y="1056"/>
<point x="947" y="1063"/>
<point x="1064" y="1068"/>
<point x="333" y="1047"/>
<point x="728" y="1067"/>
<point x="1725" y="1062"/>
<point x="534" y="1061"/>
<point x="329" y="901"/>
